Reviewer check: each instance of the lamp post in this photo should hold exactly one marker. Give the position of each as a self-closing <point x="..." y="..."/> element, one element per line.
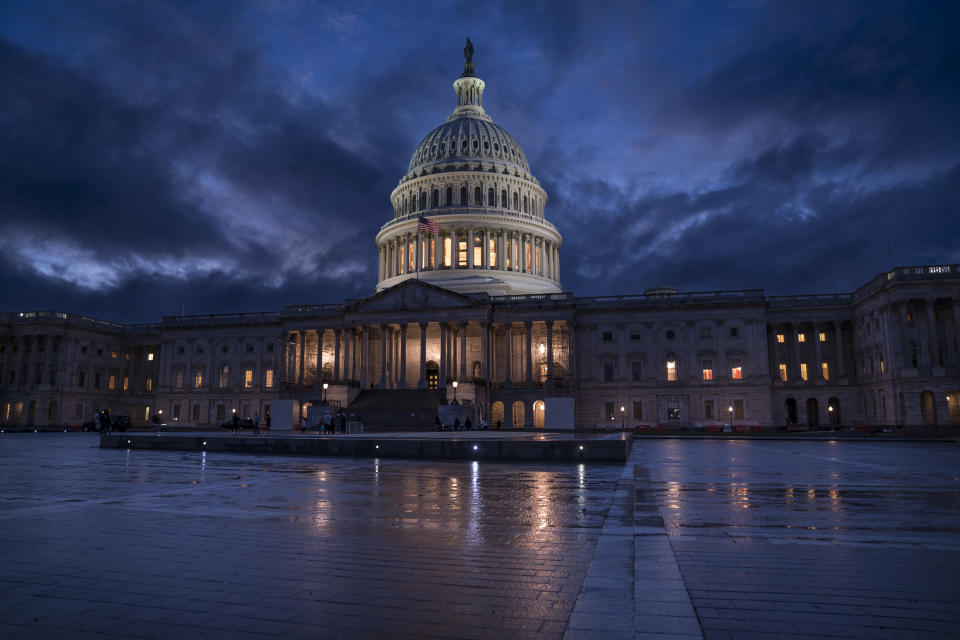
<point x="622" y="417"/>
<point x="455" y="383"/>
<point x="326" y="385"/>
<point x="730" y="410"/>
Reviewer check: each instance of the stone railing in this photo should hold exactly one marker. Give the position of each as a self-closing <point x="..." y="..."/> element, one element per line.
<point x="923" y="272"/>
<point x="222" y="318"/>
<point x="811" y="300"/>
<point x="76" y="319"/>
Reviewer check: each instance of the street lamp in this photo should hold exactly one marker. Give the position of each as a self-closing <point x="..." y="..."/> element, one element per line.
<point x="730" y="410"/>
<point x="326" y="385"/>
<point x="622" y="417"/>
<point x="455" y="383"/>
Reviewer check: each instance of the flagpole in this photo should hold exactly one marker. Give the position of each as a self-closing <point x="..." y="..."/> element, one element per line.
<point x="419" y="242"/>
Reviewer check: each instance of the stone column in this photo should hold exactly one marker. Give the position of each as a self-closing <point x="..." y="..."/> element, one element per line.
<point x="841" y="368"/>
<point x="501" y="262"/>
<point x="443" y="356"/>
<point x="508" y="380"/>
<point x="463" y="351"/>
<point x="818" y="375"/>
<point x="383" y="355"/>
<point x="402" y="375"/>
<point x="422" y="382"/>
<point x="796" y="351"/>
<point x="529" y="357"/>
<point x="303" y="349"/>
<point x="470" y="240"/>
<point x="573" y="358"/>
<point x="364" y="355"/>
<point x="336" y="355"/>
<point x="549" y="384"/>
<point x="931" y="350"/>
<point x="484" y="353"/>
<point x="485" y="254"/>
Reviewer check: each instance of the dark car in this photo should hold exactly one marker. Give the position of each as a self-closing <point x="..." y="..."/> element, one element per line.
<point x="244" y="423"/>
<point x="117" y="423"/>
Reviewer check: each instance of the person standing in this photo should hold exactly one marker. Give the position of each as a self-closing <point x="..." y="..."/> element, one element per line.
<point x="268" y="421"/>
<point x="106" y="425"/>
<point x="256" y="423"/>
<point x="468" y="424"/>
<point x="236" y="423"/>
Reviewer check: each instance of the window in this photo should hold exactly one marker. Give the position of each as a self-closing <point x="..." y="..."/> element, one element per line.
<point x="148" y="384"/>
<point x="503" y="198"/>
<point x="883" y="368"/>
<point x="435" y="198"/>
<point x="221" y="413"/>
<point x="705" y="333"/>
<point x="492" y="250"/>
<point x="126" y="382"/>
<point x="477" y="196"/>
<point x="671" y="369"/>
<point x="77" y="414"/>
<point x="463" y="196"/>
<point x="607" y="336"/>
<point x="112" y="384"/>
<point x="126" y="356"/>
<point x="198" y="379"/>
<point x="114" y="355"/>
<point x="195" y="413"/>
<point x="199" y="348"/>
<point x="734" y="332"/>
<point x="823" y="337"/>
<point x="708" y="409"/>
<point x="638" y="410"/>
<point x="178" y="379"/>
<point x="249" y="348"/>
<point x="736" y="369"/>
<point x="461" y="253"/>
<point x="248" y="378"/>
<point x="99" y="352"/>
<point x="635" y="371"/>
<point x="477" y="252"/>
<point x="803" y="371"/>
<point x="96" y="381"/>
<point x="224" y="376"/>
<point x="180" y="350"/>
<point x="150" y="357"/>
<point x="83" y="349"/>
<point x="780" y="338"/>
<point x="738" y="409"/>
<point x="706" y="369"/>
<point x="608" y="411"/>
<point x="801" y="337"/>
<point x="270" y="347"/>
<point x="670" y="335"/>
<point x="146" y="413"/>
<point x="783" y="371"/>
<point x="608" y="372"/>
<point x="825" y="370"/>
<point x="449" y="200"/>
<point x="636" y="336"/>
<point x="268" y="378"/>
<point x="81" y="379"/>
<point x="491" y="197"/>
<point x="447" y="251"/>
<point x="176" y="412"/>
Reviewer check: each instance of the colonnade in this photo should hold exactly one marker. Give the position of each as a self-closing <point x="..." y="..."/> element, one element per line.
<point x="470" y="248"/>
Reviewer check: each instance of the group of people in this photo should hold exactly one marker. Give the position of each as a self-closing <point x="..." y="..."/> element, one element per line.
<point x="329" y="425"/>
<point x="467" y="424"/>
<point x="102" y="421"/>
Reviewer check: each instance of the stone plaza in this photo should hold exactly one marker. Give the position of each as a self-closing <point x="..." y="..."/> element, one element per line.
<point x="689" y="539"/>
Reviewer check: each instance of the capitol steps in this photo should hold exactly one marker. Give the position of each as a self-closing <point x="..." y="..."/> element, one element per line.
<point x="397" y="409"/>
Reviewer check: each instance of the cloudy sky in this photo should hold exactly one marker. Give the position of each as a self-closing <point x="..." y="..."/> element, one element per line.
<point x="245" y="152"/>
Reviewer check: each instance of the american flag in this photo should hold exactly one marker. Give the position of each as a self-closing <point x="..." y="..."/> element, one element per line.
<point x="428" y="225"/>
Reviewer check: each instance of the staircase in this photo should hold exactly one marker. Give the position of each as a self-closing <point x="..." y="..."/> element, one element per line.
<point x="396" y="409"/>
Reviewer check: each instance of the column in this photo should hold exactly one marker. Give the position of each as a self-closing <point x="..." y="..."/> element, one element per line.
<point x="383" y="356"/>
<point x="364" y="355"/>
<point x="931" y="355"/>
<point x="508" y="380"/>
<point x="529" y="357"/>
<point x="422" y="382"/>
<point x="303" y="348"/>
<point x="484" y="354"/>
<point x="443" y="356"/>
<point x="463" y="351"/>
<point x="501" y="261"/>
<point x="841" y="369"/>
<point x="556" y="263"/>
<point x="796" y="352"/>
<point x="402" y="379"/>
<point x="348" y="351"/>
<point x="818" y="375"/>
<point x="485" y="254"/>
<point x="336" y="355"/>
<point x="571" y="355"/>
<point x="470" y="242"/>
<point x="956" y="332"/>
<point x="549" y="384"/>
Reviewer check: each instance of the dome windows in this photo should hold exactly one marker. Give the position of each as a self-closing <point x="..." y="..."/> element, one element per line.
<point x="486" y="146"/>
<point x="443" y="147"/>
<point x="476" y="144"/>
<point x="496" y="147"/>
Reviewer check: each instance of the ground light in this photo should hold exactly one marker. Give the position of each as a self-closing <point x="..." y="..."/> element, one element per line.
<point x="581" y="447"/>
<point x="474" y="447"/>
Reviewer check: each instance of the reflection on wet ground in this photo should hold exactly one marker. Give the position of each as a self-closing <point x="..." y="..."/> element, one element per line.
<point x="126" y="542"/>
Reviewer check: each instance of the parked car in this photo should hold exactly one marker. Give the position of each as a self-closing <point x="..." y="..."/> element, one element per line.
<point x="244" y="423"/>
<point x="117" y="423"/>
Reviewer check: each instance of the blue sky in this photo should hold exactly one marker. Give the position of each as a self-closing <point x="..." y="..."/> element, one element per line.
<point x="245" y="152"/>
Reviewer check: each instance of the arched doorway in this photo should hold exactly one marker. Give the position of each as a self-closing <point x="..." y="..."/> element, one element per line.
<point x="538" y="414"/>
<point x="927" y="408"/>
<point x="32" y="413"/>
<point x="519" y="413"/>
<point x="52" y="413"/>
<point x="433" y="375"/>
<point x="496" y="414"/>
<point x="476" y="370"/>
<point x="813" y="413"/>
<point x="790" y="411"/>
<point x="953" y="406"/>
<point x="833" y="411"/>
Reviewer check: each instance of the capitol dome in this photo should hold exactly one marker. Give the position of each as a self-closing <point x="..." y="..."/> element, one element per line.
<point x="468" y="213"/>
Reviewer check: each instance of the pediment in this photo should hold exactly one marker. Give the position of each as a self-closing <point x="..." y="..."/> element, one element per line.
<point x="413" y="295"/>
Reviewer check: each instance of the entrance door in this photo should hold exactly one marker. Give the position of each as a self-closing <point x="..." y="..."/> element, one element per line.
<point x="538" y="414"/>
<point x="433" y="375"/>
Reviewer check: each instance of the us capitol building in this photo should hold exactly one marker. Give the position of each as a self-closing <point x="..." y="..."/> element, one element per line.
<point x="469" y="308"/>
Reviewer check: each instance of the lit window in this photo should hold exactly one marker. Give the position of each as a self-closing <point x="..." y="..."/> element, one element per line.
<point x="825" y="369"/>
<point x="478" y="255"/>
<point x="780" y="338"/>
<point x="148" y="385"/>
<point x="178" y="379"/>
<point x="882" y="367"/>
<point x="447" y="251"/>
<point x="268" y="379"/>
<point x="146" y="413"/>
<point x="113" y="383"/>
<point x="783" y="371"/>
<point x="461" y="253"/>
<point x="671" y="370"/>
<point x="150" y="357"/>
<point x="197" y="379"/>
<point x="248" y="378"/>
<point x="126" y="382"/>
<point x="736" y="373"/>
<point x="126" y="356"/>
<point x="823" y="337"/>
<point x="803" y="370"/>
<point x="114" y="354"/>
<point x="493" y="253"/>
<point x="707" y="374"/>
<point x="224" y="376"/>
<point x="801" y="337"/>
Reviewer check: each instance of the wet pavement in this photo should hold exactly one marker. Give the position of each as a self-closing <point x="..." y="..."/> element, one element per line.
<point x="715" y="539"/>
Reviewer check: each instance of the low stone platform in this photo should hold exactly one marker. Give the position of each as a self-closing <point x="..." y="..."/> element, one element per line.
<point x="463" y="445"/>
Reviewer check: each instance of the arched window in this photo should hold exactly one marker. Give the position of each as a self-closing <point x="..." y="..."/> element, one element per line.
<point x="423" y="200"/>
<point x="503" y="198"/>
<point x="496" y="413"/>
<point x="477" y="196"/>
<point x="516" y="201"/>
<point x="518" y="414"/>
<point x="52" y="413"/>
<point x="670" y="367"/>
<point x="463" y="196"/>
<point x="525" y="204"/>
<point x="436" y="198"/>
<point x="491" y="197"/>
<point x="449" y="196"/>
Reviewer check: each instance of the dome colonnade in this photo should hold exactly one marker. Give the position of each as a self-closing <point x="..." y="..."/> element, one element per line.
<point x="473" y="180"/>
